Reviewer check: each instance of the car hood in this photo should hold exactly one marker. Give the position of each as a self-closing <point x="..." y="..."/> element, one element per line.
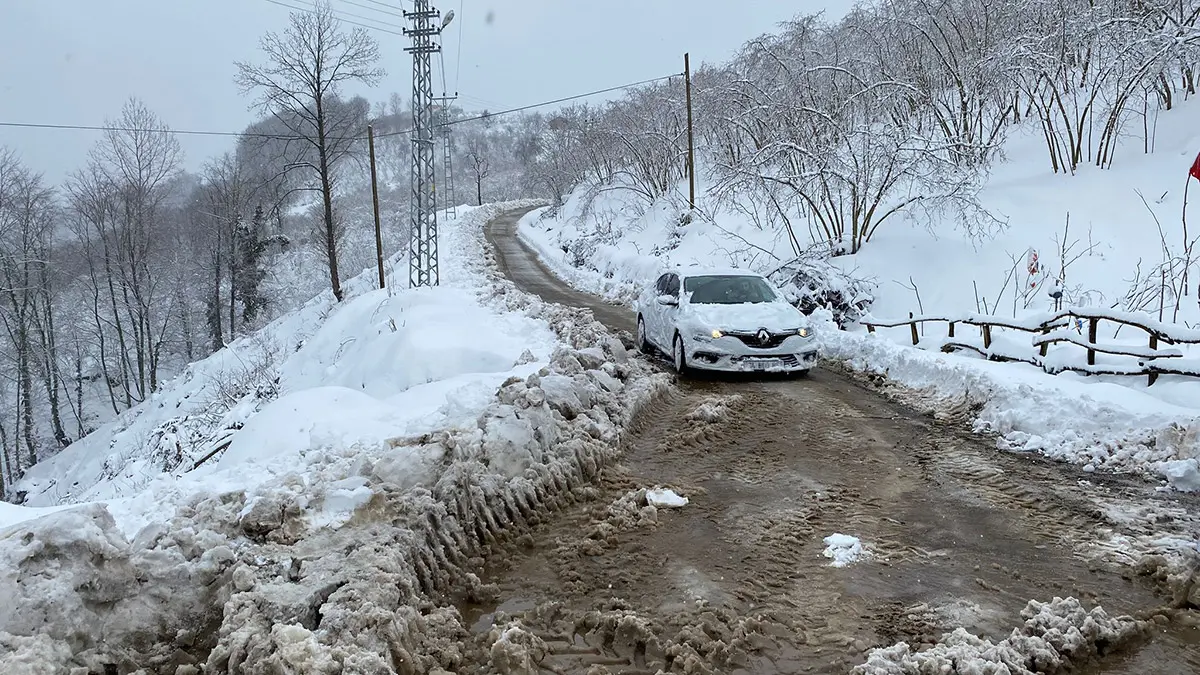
<point x="774" y="316"/>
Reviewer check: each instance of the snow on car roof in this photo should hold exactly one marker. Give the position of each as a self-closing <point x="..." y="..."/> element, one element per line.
<point x="704" y="271"/>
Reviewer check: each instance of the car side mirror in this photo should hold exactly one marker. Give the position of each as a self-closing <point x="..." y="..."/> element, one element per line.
<point x="669" y="300"/>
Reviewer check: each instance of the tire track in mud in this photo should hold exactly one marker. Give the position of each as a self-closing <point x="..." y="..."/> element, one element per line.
<point x="766" y="482"/>
<point x="959" y="534"/>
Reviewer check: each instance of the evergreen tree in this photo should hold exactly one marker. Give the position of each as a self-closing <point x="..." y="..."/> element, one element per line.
<point x="249" y="262"/>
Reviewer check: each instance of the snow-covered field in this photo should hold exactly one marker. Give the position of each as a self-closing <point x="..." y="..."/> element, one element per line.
<point x="614" y="245"/>
<point x="291" y="500"/>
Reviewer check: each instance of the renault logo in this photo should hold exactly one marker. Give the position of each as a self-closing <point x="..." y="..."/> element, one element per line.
<point x="763" y="336"/>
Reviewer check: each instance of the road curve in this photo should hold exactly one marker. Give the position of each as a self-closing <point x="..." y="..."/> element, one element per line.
<point x="961" y="534"/>
<point x="520" y="264"/>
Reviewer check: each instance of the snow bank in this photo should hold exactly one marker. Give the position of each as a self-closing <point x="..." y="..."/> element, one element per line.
<point x="1096" y="425"/>
<point x="330" y="532"/>
<point x="1058" y="636"/>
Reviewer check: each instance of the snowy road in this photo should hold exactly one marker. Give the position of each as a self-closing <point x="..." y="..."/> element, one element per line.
<point x="955" y="533"/>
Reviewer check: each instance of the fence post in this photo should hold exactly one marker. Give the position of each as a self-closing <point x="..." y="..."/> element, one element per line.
<point x="951" y="334"/>
<point x="870" y="328"/>
<point x="1092" y="324"/>
<point x="1045" y="345"/>
<point x="987" y="335"/>
<point x="913" y="326"/>
<point x="1153" y="376"/>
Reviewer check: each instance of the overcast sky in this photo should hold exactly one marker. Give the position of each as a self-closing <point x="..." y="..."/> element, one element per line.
<point x="78" y="61"/>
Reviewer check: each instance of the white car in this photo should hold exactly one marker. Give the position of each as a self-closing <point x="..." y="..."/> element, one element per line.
<point x="728" y="320"/>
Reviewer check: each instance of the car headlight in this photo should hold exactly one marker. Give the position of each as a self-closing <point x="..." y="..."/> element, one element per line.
<point x="716" y="334"/>
<point x="804" y="332"/>
<point x="710" y="335"/>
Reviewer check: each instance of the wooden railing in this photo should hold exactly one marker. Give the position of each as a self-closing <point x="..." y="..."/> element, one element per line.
<point x="1056" y="327"/>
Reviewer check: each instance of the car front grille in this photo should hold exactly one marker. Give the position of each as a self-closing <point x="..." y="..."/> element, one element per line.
<point x="752" y="339"/>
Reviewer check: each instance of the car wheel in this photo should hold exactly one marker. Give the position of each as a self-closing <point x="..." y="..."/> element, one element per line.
<point x="678" y="357"/>
<point x="643" y="344"/>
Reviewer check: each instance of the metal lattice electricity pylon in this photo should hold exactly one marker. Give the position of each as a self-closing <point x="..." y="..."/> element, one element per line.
<point x="448" y="198"/>
<point x="423" y="234"/>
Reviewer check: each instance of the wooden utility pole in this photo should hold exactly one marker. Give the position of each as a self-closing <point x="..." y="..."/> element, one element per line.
<point x="375" y="204"/>
<point x="687" y="84"/>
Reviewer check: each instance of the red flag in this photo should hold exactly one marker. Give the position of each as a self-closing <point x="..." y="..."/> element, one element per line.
<point x="1195" y="172"/>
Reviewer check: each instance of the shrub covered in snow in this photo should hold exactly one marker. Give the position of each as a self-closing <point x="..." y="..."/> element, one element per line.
<point x="812" y="282"/>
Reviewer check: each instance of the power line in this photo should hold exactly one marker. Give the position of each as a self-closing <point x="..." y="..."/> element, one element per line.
<point x="337" y="14"/>
<point x="384" y="4"/>
<point x="458" y="58"/>
<point x="182" y="132"/>
<point x="372" y="9"/>
<point x="366" y="18"/>
<point x="293" y="137"/>
<point x="543" y="103"/>
<point x="442" y="68"/>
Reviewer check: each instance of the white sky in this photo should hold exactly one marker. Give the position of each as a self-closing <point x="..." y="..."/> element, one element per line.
<point x="78" y="61"/>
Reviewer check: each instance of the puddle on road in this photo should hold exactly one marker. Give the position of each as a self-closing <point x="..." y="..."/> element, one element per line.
<point x="481" y="617"/>
<point x="1172" y="650"/>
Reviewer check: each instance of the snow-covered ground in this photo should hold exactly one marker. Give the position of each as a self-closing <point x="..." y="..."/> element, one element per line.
<point x="330" y="470"/>
<point x="615" y="245"/>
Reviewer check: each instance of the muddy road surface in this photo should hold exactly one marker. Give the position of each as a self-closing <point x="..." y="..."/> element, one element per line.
<point x="955" y="533"/>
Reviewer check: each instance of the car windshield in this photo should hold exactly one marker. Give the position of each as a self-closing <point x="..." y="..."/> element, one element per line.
<point x="729" y="289"/>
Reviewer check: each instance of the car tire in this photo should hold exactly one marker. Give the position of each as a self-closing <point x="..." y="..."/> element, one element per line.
<point x="678" y="356"/>
<point x="643" y="344"/>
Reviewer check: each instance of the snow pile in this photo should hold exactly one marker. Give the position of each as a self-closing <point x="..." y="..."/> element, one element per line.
<point x="522" y="459"/>
<point x="341" y="517"/>
<point x="516" y="651"/>
<point x="664" y="498"/>
<point x="1058" y="636"/>
<point x="844" y="549"/>
<point x="1095" y="425"/>
<point x="713" y="409"/>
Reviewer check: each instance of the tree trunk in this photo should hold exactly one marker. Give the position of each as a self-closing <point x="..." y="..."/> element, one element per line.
<point x="6" y="474"/>
<point x="233" y="280"/>
<point x="214" y="305"/>
<point x="327" y="202"/>
<point x="52" y="377"/>
<point x="185" y="320"/>
<point x="119" y="326"/>
<point x="26" y="384"/>
<point x="79" y="392"/>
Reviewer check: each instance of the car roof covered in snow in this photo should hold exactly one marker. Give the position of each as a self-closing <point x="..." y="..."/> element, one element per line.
<point x="705" y="271"/>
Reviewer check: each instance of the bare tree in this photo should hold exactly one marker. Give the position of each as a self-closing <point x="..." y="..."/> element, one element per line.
<point x="478" y="164"/>
<point x="117" y="205"/>
<point x="299" y="84"/>
<point x="23" y="222"/>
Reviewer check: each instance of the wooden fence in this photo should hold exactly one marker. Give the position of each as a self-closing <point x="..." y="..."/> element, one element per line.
<point x="1056" y="327"/>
